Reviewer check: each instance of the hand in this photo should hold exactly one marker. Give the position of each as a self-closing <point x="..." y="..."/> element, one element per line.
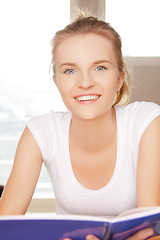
<point x="88" y="237"/>
<point x="140" y="235"/>
<point x="143" y="234"/>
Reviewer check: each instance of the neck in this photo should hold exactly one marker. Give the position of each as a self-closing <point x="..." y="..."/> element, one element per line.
<point x="95" y="134"/>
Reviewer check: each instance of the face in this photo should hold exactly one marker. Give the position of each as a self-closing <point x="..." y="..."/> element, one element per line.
<point x="87" y="75"/>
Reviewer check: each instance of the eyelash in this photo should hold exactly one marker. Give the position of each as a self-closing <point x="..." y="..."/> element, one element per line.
<point x="71" y="71"/>
<point x="104" y="68"/>
<point x="67" y="71"/>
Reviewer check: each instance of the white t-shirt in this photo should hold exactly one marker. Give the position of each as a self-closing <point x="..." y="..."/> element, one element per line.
<point x="51" y="132"/>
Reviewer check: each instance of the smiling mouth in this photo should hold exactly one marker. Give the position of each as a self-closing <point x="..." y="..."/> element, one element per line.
<point x="87" y="98"/>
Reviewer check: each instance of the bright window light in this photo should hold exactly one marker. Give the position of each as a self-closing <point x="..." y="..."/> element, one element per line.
<point x="26" y="87"/>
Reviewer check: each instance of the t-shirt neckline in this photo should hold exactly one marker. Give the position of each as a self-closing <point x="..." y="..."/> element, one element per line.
<point x="68" y="159"/>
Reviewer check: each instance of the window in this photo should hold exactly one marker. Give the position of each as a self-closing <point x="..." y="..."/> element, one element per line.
<point x="137" y="22"/>
<point x="26" y="87"/>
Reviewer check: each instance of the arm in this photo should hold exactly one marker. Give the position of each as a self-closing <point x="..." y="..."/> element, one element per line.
<point x="148" y="169"/>
<point x="23" y="178"/>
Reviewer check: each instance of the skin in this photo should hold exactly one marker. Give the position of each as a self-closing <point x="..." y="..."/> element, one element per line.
<point x="86" y="64"/>
<point x="143" y="234"/>
<point x="96" y="73"/>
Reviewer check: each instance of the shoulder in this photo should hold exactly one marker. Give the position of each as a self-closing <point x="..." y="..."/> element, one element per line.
<point x="49" y="119"/>
<point x="138" y="111"/>
<point x="49" y="125"/>
<point x="136" y="117"/>
<point x="143" y="113"/>
<point x="138" y="107"/>
<point x="146" y="107"/>
<point x="46" y="129"/>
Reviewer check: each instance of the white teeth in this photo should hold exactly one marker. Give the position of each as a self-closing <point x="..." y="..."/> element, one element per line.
<point x="89" y="97"/>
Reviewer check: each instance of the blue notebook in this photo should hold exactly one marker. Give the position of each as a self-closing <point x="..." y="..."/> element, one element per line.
<point x="48" y="227"/>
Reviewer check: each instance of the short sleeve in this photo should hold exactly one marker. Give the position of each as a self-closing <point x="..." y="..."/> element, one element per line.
<point x="143" y="114"/>
<point x="42" y="131"/>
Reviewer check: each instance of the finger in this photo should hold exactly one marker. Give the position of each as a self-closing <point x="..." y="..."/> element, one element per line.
<point x="67" y="239"/>
<point x="155" y="238"/>
<point x="143" y="234"/>
<point x="91" y="237"/>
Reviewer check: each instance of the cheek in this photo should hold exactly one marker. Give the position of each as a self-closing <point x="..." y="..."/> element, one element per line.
<point x="64" y="87"/>
<point x="109" y="82"/>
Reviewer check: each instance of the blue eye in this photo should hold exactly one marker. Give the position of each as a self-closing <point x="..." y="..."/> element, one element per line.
<point x="69" y="71"/>
<point x="100" y="68"/>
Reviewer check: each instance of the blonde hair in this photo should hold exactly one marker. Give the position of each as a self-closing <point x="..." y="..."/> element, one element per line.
<point x="89" y="24"/>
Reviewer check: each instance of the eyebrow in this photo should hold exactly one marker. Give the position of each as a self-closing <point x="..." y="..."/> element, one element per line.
<point x="67" y="64"/>
<point x="94" y="63"/>
<point x="102" y="61"/>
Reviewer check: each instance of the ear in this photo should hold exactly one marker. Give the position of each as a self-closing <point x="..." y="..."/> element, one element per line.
<point x="120" y="80"/>
<point x="54" y="79"/>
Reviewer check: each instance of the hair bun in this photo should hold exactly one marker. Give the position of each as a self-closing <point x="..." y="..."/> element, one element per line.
<point x="81" y="13"/>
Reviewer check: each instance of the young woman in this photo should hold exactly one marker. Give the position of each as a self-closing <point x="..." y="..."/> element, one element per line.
<point x="102" y="158"/>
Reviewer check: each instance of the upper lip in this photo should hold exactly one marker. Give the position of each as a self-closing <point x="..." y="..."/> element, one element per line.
<point x="89" y="94"/>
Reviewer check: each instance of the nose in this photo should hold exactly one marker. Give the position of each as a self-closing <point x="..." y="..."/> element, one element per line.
<point x="86" y="81"/>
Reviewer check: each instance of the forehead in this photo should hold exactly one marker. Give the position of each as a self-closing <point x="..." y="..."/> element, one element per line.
<point x="84" y="47"/>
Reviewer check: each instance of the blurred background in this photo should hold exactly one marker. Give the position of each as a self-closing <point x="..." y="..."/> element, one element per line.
<point x="26" y="86"/>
